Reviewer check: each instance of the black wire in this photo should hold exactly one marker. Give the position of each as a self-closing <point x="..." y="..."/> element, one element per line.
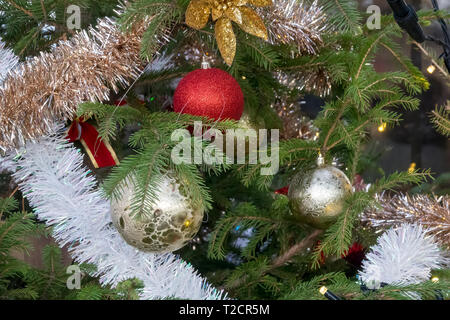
<point x="442" y="22"/>
<point x="446" y="43"/>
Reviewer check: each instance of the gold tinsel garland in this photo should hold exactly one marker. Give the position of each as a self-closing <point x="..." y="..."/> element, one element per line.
<point x="432" y="212"/>
<point x="48" y="88"/>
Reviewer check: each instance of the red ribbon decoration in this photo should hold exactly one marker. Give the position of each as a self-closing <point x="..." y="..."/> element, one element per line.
<point x="283" y="190"/>
<point x="101" y="153"/>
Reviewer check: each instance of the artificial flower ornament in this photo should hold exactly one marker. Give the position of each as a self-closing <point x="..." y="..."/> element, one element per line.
<point x="223" y="12"/>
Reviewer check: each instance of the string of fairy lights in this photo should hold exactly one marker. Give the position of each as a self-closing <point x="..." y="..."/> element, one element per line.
<point x="332" y="296"/>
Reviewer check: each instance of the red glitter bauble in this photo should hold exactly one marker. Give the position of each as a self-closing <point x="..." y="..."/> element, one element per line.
<point x="211" y="93"/>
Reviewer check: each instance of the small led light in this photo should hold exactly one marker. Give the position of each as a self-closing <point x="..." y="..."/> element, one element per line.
<point x="412" y="167"/>
<point x="320" y="160"/>
<point x="244" y="77"/>
<point x="435" y="279"/>
<point x="323" y="290"/>
<point x="187" y="223"/>
<point x="328" y="294"/>
<point x="382" y="127"/>
<point x="431" y="69"/>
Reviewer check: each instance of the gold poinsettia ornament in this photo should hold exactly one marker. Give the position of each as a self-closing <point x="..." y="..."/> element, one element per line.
<point x="223" y="12"/>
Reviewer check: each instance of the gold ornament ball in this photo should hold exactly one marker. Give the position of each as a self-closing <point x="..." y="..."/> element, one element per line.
<point x="241" y="142"/>
<point x="246" y="122"/>
<point x="173" y="221"/>
<point x="316" y="197"/>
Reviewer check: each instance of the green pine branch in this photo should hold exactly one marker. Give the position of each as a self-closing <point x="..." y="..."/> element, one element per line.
<point x="441" y="120"/>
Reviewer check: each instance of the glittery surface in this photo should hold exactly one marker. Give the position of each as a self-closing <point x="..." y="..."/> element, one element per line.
<point x="295" y="123"/>
<point x="211" y="93"/>
<point x="295" y="22"/>
<point x="260" y="3"/>
<point x="8" y="60"/>
<point x="433" y="212"/>
<point x="48" y="88"/>
<point x="195" y="52"/>
<point x="252" y="23"/>
<point x="197" y="14"/>
<point x="172" y="224"/>
<point x="315" y="80"/>
<point x="226" y="39"/>
<point x="316" y="197"/>
<point x="223" y="12"/>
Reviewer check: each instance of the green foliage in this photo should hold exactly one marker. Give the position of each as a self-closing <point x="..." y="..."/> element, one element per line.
<point x="348" y="289"/>
<point x="31" y="26"/>
<point x="441" y="120"/>
<point x="440" y="186"/>
<point x="342" y="15"/>
<point x="153" y="145"/>
<point x="240" y="200"/>
<point x="309" y="290"/>
<point x="244" y="216"/>
<point x="338" y="237"/>
<point x="164" y="14"/>
<point x="281" y="257"/>
<point x="19" y="280"/>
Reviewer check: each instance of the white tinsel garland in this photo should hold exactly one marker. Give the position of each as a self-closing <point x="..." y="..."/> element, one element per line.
<point x="65" y="196"/>
<point x="8" y="60"/>
<point x="7" y="163"/>
<point x="402" y="256"/>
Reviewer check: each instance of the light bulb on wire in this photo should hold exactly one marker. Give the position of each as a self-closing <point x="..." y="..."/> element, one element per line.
<point x="431" y="68"/>
<point x="382" y="127"/>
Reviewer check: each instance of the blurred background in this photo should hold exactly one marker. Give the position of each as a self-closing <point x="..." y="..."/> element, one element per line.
<point x="415" y="142"/>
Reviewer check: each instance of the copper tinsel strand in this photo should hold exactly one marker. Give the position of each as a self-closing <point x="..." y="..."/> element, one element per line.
<point x="295" y="123"/>
<point x="432" y="212"/>
<point x="295" y="22"/>
<point x="316" y="81"/>
<point x="49" y="87"/>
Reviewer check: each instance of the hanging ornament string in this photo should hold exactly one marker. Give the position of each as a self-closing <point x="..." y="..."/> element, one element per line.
<point x="65" y="196"/>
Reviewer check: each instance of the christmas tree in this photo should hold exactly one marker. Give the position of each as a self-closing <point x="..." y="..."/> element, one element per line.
<point x="165" y="147"/>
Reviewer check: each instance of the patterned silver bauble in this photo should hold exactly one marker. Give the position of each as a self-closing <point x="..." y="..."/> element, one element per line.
<point x="173" y="221"/>
<point x="316" y="197"/>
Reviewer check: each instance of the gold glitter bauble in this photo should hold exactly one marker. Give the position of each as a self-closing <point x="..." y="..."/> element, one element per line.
<point x="172" y="224"/>
<point x="316" y="197"/>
